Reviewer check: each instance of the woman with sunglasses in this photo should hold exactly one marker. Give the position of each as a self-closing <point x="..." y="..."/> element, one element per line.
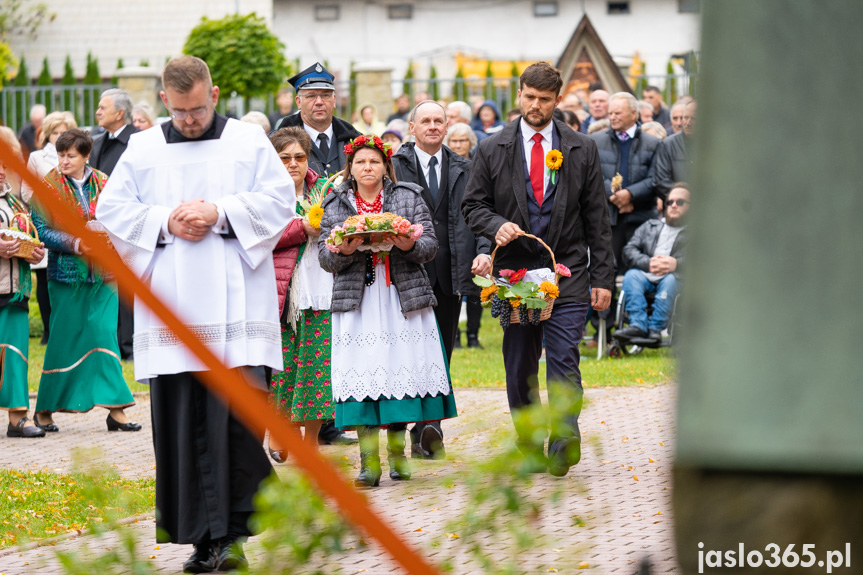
<point x="302" y="391"/>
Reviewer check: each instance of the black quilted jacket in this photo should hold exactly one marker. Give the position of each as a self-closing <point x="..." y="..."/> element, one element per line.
<point x="406" y="268"/>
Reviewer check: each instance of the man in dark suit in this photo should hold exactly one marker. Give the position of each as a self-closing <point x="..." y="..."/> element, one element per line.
<point x="316" y="102"/>
<point x="510" y="192"/>
<point x="443" y="175"/>
<point x="114" y="115"/>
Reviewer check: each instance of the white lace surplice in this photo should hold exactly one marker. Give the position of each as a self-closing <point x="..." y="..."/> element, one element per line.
<point x="223" y="289"/>
<point x="379" y="351"/>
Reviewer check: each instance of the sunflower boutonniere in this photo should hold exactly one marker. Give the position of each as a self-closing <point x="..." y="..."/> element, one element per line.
<point x="553" y="161"/>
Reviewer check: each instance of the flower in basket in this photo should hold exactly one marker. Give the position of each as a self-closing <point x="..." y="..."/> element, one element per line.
<point x="513" y="292"/>
<point x="416" y="231"/>
<point x="517" y="276"/>
<point x="337" y="236"/>
<point x="401" y="225"/>
<point x="549" y="289"/>
<point x="487" y="293"/>
<point x="562" y="270"/>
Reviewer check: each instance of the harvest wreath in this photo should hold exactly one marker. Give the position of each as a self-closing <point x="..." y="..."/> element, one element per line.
<point x="373" y="229"/>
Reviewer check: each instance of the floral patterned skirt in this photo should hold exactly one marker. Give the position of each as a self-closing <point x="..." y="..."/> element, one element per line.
<point x="304" y="391"/>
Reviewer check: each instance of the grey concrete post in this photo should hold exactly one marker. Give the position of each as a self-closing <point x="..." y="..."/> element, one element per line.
<point x="142" y="83"/>
<point x="770" y="435"/>
<point x="374" y="86"/>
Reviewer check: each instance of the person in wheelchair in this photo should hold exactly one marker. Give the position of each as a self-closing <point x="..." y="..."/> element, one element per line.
<point x="655" y="257"/>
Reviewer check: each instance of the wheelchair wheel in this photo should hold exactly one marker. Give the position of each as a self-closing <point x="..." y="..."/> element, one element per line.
<point x="621" y="319"/>
<point x="614" y="350"/>
<point x="631" y="349"/>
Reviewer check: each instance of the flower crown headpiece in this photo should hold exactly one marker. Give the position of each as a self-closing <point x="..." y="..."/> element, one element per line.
<point x="373" y="142"/>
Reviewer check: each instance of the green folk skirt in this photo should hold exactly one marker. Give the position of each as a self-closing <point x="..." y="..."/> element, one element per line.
<point x="14" y="343"/>
<point x="82" y="367"/>
<point x="385" y="411"/>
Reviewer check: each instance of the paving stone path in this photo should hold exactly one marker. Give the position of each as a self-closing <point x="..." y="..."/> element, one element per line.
<point x="615" y="507"/>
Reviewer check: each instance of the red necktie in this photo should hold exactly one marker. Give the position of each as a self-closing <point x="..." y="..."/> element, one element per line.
<point x="537" y="168"/>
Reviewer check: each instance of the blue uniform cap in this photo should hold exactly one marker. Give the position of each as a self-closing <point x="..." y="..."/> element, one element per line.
<point x="313" y="77"/>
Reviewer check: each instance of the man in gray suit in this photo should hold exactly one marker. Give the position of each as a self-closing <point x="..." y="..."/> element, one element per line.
<point x="443" y="175"/>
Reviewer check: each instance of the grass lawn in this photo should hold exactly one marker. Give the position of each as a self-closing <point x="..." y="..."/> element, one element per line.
<point x="470" y="367"/>
<point x="38" y="505"/>
<point x="484" y="367"/>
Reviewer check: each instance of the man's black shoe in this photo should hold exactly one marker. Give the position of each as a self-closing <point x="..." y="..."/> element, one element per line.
<point x="473" y="341"/>
<point x="629" y="332"/>
<point x="431" y="442"/>
<point x="231" y="556"/>
<point x="203" y="560"/>
<point x="417" y="452"/>
<point x="337" y="439"/>
<point x="329" y="435"/>
<point x="654" y="335"/>
<point x="562" y="455"/>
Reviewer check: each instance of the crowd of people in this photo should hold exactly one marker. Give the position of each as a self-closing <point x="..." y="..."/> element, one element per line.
<point x="234" y="230"/>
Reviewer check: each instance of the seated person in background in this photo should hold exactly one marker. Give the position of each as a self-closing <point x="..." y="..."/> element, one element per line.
<point x="655" y="255"/>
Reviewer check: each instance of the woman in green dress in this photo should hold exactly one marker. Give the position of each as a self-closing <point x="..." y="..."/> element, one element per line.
<point x="15" y="286"/>
<point x="82" y="366"/>
<point x="303" y="390"/>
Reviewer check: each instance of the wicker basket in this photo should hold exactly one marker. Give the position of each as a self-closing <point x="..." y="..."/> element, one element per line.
<point x="549" y="301"/>
<point x="28" y="243"/>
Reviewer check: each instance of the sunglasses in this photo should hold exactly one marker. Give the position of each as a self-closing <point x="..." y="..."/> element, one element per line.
<point x="680" y="203"/>
<point x="298" y="158"/>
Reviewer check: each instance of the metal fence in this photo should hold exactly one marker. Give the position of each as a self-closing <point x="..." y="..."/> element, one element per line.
<point x="81" y="100"/>
<point x="502" y="91"/>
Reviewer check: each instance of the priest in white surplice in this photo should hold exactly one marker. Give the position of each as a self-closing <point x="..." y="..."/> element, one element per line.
<point x="195" y="208"/>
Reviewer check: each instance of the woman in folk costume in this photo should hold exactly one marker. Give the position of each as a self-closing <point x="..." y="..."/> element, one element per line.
<point x="15" y="289"/>
<point x="82" y="361"/>
<point x="388" y="365"/>
<point x="40" y="163"/>
<point x="303" y="390"/>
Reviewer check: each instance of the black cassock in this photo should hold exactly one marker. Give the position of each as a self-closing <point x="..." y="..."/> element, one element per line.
<point x="208" y="465"/>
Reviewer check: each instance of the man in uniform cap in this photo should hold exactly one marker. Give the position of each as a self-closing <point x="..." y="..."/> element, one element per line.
<point x="316" y="101"/>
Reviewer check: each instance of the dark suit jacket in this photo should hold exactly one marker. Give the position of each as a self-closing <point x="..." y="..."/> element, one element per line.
<point x="106" y="153"/>
<point x="497" y="193"/>
<point x="457" y="244"/>
<point x="343" y="133"/>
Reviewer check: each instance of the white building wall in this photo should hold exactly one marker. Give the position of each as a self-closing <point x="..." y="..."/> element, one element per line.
<point x="136" y="30"/>
<point x="499" y="30"/>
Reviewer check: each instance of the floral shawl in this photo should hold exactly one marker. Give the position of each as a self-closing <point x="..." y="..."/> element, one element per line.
<point x="92" y="187"/>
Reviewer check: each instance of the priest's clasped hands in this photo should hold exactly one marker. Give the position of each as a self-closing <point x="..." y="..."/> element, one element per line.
<point x="193" y="219"/>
